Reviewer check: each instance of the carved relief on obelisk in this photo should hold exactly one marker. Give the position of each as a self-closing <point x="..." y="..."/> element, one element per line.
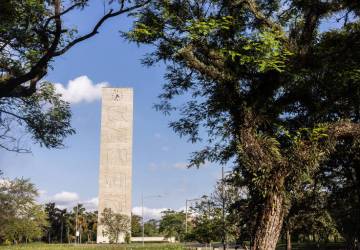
<point x="115" y="154"/>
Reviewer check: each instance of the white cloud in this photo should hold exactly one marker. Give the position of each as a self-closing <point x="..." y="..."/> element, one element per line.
<point x="69" y="200"/>
<point x="149" y="213"/>
<point x="91" y="204"/>
<point x="64" y="198"/>
<point x="80" y="89"/>
<point x="181" y="165"/>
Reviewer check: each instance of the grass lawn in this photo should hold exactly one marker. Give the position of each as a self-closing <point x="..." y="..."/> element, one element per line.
<point x="312" y="246"/>
<point x="42" y="246"/>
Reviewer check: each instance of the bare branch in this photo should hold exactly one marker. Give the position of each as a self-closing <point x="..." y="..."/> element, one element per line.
<point x="110" y="14"/>
<point x="15" y="149"/>
<point x="12" y="114"/>
<point x="61" y="14"/>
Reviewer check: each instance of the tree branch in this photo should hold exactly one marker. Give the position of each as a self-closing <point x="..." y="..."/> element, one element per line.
<point x="12" y="114"/>
<point x="192" y="61"/>
<point x="61" y="14"/>
<point x="260" y="16"/>
<point x="40" y="69"/>
<point x="110" y="14"/>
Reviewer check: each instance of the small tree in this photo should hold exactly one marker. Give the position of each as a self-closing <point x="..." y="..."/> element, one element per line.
<point x="114" y="224"/>
<point x="135" y="225"/>
<point x="172" y="224"/>
<point x="21" y="219"/>
<point x="151" y="228"/>
<point x="207" y="221"/>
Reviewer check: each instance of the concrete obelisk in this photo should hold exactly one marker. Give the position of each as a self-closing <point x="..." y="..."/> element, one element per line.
<point x="115" y="154"/>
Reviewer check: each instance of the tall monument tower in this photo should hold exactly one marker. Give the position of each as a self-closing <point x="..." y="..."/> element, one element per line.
<point x="115" y="154"/>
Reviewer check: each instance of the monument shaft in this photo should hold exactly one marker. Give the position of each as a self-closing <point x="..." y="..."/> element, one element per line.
<point x="115" y="154"/>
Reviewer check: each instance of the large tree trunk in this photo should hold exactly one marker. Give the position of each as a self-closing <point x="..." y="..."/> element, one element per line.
<point x="268" y="231"/>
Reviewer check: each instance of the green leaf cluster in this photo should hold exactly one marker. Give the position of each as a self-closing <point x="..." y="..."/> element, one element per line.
<point x="200" y="29"/>
<point x="265" y="51"/>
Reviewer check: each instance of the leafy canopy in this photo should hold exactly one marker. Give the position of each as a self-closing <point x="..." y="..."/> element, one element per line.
<point x="266" y="87"/>
<point x="32" y="34"/>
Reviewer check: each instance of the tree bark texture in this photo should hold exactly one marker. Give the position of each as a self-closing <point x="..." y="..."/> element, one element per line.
<point x="268" y="231"/>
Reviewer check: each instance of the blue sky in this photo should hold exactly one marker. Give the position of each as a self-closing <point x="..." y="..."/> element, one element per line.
<point x="70" y="175"/>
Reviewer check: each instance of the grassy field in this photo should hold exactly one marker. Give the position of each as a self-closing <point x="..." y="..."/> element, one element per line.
<point x="39" y="246"/>
<point x="312" y="246"/>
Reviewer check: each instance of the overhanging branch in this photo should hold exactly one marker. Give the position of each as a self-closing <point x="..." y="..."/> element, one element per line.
<point x="109" y="15"/>
<point x="13" y="85"/>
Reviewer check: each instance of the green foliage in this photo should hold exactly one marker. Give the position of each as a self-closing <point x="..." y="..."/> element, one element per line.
<point x="338" y="175"/>
<point x="206" y="220"/>
<point x="21" y="19"/>
<point x="114" y="225"/>
<point x="62" y="224"/>
<point x="25" y="36"/>
<point x="43" y="116"/>
<point x="309" y="215"/>
<point x="26" y="227"/>
<point x="21" y="219"/>
<point x="151" y="228"/>
<point x="201" y="28"/>
<point x="172" y="224"/>
<point x="58" y="223"/>
<point x="127" y="238"/>
<point x="142" y="32"/>
<point x="269" y="89"/>
<point x="264" y="50"/>
<point x="135" y="225"/>
<point x="32" y="34"/>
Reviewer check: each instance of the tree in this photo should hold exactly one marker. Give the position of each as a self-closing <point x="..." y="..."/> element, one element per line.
<point x="21" y="219"/>
<point x="309" y="216"/>
<point x="214" y="218"/>
<point x="28" y="225"/>
<point x="79" y="217"/>
<point x="340" y="175"/>
<point x="224" y="197"/>
<point x="59" y="224"/>
<point x="91" y="221"/>
<point x="172" y="224"/>
<point x="114" y="225"/>
<point x="62" y="224"/>
<point x="256" y="72"/>
<point x="207" y="224"/>
<point x="151" y="228"/>
<point x="43" y="117"/>
<point x="32" y="35"/>
<point x="136" y="225"/>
